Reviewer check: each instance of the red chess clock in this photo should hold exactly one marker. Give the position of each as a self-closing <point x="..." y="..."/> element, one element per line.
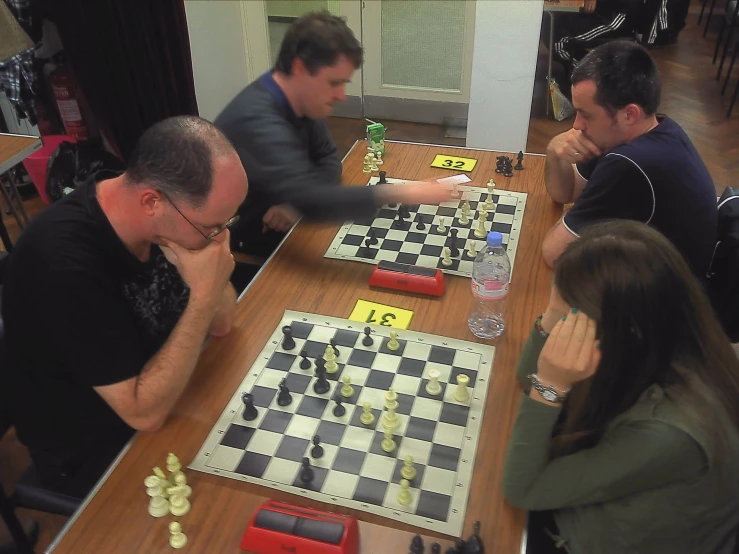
<point x="279" y="527"/>
<point x="411" y="278"/>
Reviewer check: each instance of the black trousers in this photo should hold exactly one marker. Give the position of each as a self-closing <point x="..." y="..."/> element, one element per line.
<point x="538" y="541"/>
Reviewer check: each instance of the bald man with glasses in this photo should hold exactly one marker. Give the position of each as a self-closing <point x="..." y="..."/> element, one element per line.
<point x="110" y="294"/>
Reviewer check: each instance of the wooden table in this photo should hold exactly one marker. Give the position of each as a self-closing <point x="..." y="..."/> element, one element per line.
<point x="13" y="150"/>
<point x="298" y="277"/>
<point x="551" y="8"/>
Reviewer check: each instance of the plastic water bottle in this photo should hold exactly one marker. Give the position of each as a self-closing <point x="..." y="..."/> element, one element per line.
<point x="491" y="275"/>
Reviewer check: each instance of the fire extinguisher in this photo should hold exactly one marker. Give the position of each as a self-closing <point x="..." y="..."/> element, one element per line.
<point x="66" y="94"/>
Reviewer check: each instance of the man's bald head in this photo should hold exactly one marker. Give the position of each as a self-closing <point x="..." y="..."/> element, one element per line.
<point x="176" y="156"/>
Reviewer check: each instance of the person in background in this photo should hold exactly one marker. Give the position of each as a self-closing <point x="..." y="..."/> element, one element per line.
<point x="627" y="435"/>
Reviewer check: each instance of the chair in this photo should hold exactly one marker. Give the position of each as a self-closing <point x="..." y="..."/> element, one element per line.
<point x="7" y="508"/>
<point x="729" y="20"/>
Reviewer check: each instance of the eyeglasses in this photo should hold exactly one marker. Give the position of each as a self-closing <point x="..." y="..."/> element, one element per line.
<point x="209" y="236"/>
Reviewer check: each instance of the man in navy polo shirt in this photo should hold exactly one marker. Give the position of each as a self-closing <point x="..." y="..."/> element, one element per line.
<point x="623" y="161"/>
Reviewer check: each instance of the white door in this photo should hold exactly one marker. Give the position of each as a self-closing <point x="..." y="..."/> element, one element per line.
<point x="266" y="21"/>
<point x="418" y="59"/>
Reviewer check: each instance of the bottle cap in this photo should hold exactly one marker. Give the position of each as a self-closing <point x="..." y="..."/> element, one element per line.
<point x="495" y="238"/>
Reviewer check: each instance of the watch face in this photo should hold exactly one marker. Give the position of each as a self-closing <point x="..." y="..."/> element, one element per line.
<point x="550" y="396"/>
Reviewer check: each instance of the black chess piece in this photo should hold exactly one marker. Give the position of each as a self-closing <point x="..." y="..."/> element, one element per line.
<point x="372" y="237"/>
<point x="250" y="411"/>
<point x="519" y="159"/>
<point x="306" y="473"/>
<point x="321" y="385"/>
<point x="332" y="342"/>
<point x="404" y="212"/>
<point x="500" y="164"/>
<point x="288" y="343"/>
<point x="450" y="550"/>
<point x="459" y="547"/>
<point x="367" y="340"/>
<point x="284" y="398"/>
<point x="383" y="179"/>
<point x="508" y="167"/>
<point x="452" y="243"/>
<point x="339" y="410"/>
<point x="474" y="543"/>
<point x="420" y="225"/>
<point x="317" y="450"/>
<point x="436" y="548"/>
<point x="305" y="363"/>
<point x="416" y="545"/>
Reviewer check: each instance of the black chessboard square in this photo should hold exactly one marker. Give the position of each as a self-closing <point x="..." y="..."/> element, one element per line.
<point x="442" y="355"/>
<point x="361" y="358"/>
<point x="412" y="367"/>
<point x="376" y="446"/>
<point x="319" y="477"/>
<point x="444" y="457"/>
<point x="416" y="481"/>
<point x="353" y="398"/>
<point x="237" y="436"/>
<point x="315" y="349"/>
<point x="380" y="233"/>
<point x="506" y="209"/>
<point x="405" y="403"/>
<point x="297" y="382"/>
<point x="346" y="338"/>
<point x="312" y="406"/>
<point x="365" y="221"/>
<point x="389" y="245"/>
<point x="349" y="461"/>
<point x="407" y="258"/>
<point x="276" y="421"/>
<point x="292" y="448"/>
<point x="446" y="212"/>
<point x="370" y="491"/>
<point x="454" y="266"/>
<point x="357" y="422"/>
<point x="253" y="464"/>
<point x="301" y="330"/>
<point x="471" y="373"/>
<point x="401" y="225"/>
<point x="281" y="361"/>
<point x="423" y="394"/>
<point x="385" y="350"/>
<point x="431" y="250"/>
<point x="367" y="253"/>
<point x="454" y="414"/>
<point x="433" y="505"/>
<point x="387" y="213"/>
<point x="421" y="429"/>
<point x="336" y="375"/>
<point x="458" y="223"/>
<point x="412" y="207"/>
<point x="379" y="379"/>
<point x="417" y="238"/>
<point x="502" y="227"/>
<point x="263" y="396"/>
<point x="330" y="432"/>
<point x="473" y="205"/>
<point x="353" y="240"/>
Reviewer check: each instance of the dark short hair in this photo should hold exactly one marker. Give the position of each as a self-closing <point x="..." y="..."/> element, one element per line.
<point x="318" y="38"/>
<point x="624" y="73"/>
<point x="176" y="155"/>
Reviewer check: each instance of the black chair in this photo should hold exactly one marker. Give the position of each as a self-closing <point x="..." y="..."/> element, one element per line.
<point x="728" y="23"/>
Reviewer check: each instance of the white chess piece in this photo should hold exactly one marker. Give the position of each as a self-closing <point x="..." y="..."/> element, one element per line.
<point x="404" y="496"/>
<point x="177" y="538"/>
<point x="442" y="225"/>
<point x="489" y="204"/>
<point x="408" y="471"/>
<point x="367" y="165"/>
<point x="433" y="387"/>
<point x="153" y="486"/>
<point x="480" y="231"/>
<point x="447" y="256"/>
<point x="178" y="505"/>
<point x="378" y="157"/>
<point x="464" y="219"/>
<point x="390" y="417"/>
<point x="373" y="164"/>
<point x="347" y="391"/>
<point x="181" y="482"/>
<point x="388" y="444"/>
<point x="158" y="506"/>
<point x="173" y="463"/>
<point x="330" y="356"/>
<point x="393" y="343"/>
<point x="472" y="253"/>
<point x="367" y="417"/>
<point x="461" y="394"/>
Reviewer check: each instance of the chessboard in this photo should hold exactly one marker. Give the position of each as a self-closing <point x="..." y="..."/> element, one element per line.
<point x="437" y="431"/>
<point x="403" y="241"/>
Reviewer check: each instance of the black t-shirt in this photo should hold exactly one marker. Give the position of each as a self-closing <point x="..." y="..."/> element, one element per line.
<point x="80" y="311"/>
<point x="658" y="179"/>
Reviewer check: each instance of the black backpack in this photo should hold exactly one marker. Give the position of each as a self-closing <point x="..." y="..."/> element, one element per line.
<point x="723" y="274"/>
<point x="72" y="163"/>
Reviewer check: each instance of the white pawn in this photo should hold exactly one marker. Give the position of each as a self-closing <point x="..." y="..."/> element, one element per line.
<point x="347" y="391"/>
<point x="390" y="418"/>
<point x="442" y="225"/>
<point x="462" y="394"/>
<point x="433" y="387"/>
<point x="464" y="218"/>
<point x="393" y="343"/>
<point x="404" y="496"/>
<point x="158" y="506"/>
<point x="373" y="164"/>
<point x="367" y="417"/>
<point x="154" y="486"/>
<point x="178" y="505"/>
<point x="330" y="357"/>
<point x="388" y="444"/>
<point x="446" y="260"/>
<point x="181" y="482"/>
<point x="367" y="165"/>
<point x="408" y="471"/>
<point x="163" y="481"/>
<point x="173" y="463"/>
<point x="378" y="157"/>
<point x="472" y="253"/>
<point x="178" y="539"/>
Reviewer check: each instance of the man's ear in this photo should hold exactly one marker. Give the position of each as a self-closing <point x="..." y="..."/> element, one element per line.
<point x="152" y="202"/>
<point x="298" y="68"/>
<point x="632" y="114"/>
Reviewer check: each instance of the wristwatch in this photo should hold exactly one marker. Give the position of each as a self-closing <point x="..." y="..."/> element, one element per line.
<point x="547" y="392"/>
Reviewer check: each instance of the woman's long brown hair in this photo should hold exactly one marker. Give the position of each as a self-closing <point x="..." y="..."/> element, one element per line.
<point x="655" y="325"/>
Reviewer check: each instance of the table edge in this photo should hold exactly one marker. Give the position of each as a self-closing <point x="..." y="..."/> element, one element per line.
<point x="22" y="155"/>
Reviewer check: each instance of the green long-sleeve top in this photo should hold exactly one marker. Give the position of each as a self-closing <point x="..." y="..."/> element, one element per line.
<point x="650" y="485"/>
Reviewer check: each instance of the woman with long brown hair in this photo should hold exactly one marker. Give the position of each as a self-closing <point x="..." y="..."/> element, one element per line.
<point x="627" y="437"/>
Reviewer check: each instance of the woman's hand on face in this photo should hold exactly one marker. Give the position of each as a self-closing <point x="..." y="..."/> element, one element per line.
<point x="571" y="353"/>
<point x="555" y="311"/>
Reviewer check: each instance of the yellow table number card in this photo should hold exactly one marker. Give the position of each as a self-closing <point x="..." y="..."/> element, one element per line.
<point x="379" y="314"/>
<point x="453" y="162"/>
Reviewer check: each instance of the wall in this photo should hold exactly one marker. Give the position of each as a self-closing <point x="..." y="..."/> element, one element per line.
<point x="503" y="68"/>
<point x="219" y="58"/>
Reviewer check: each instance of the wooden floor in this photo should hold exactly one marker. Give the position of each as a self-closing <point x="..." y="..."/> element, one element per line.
<point x="690" y="95"/>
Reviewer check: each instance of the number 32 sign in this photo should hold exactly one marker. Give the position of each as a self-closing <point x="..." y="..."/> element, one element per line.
<point x="453" y="162"/>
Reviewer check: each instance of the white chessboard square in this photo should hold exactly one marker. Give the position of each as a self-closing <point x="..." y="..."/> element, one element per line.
<point x="428" y="261"/>
<point x="426" y="408"/>
<point x="376" y="397"/>
<point x="411" y="247"/>
<point x="444" y="371"/>
<point x="385" y="362"/>
<point x="346" y="250"/>
<point x="406" y="384"/>
<point x="391" y="499"/>
<point x="238" y="418"/>
<point x="328" y="413"/>
<point x="468" y="360"/>
<point x="503" y="218"/>
<point x="357" y="229"/>
<point x="280" y="470"/>
<point x="449" y="395"/>
<point x="321" y="333"/>
<point x="396" y="234"/>
<point x="386" y="256"/>
<point x="417" y="351"/>
<point x="381" y="223"/>
<point x="438" y="480"/>
<point x="357" y="438"/>
<point x="419" y="449"/>
<point x="358" y="375"/>
<point x="329" y="455"/>
<point x="270" y="378"/>
<point x="225" y="458"/>
<point x="448" y="435"/>
<point x="427" y="209"/>
<point x="302" y="427"/>
<point x="265" y="442"/>
<point x="340" y="484"/>
<point x="378" y="467"/>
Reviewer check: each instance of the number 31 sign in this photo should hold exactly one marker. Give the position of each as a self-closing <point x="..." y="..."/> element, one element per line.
<point x="453" y="162"/>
